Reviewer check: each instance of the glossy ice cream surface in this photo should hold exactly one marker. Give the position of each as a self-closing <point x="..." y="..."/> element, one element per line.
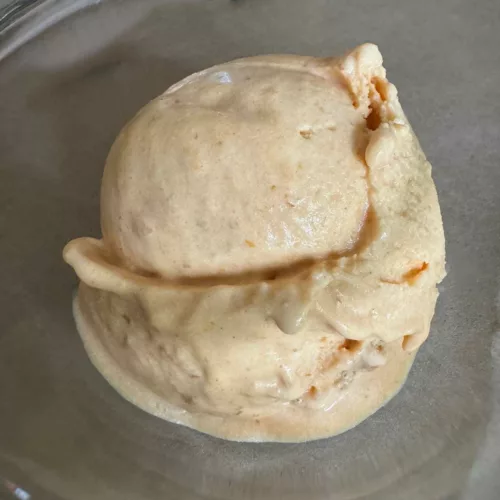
<point x="271" y="246"/>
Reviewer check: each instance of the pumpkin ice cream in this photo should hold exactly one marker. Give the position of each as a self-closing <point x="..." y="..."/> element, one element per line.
<point x="272" y="241"/>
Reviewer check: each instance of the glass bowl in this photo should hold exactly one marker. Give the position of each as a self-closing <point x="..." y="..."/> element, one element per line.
<point x="71" y="74"/>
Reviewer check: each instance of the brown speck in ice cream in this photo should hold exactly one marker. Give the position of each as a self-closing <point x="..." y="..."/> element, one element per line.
<point x="313" y="391"/>
<point x="410" y="277"/>
<point x="413" y="274"/>
<point x="351" y="345"/>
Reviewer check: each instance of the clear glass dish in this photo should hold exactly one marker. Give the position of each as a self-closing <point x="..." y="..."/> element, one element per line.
<point x="71" y="74"/>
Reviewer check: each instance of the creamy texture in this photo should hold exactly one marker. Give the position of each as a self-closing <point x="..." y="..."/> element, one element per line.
<point x="271" y="246"/>
<point x="261" y="172"/>
<point x="239" y="386"/>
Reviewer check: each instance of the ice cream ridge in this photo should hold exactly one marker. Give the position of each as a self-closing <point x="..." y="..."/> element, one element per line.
<point x="271" y="245"/>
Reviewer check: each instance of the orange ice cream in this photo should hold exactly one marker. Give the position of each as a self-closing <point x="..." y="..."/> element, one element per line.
<point x="272" y="241"/>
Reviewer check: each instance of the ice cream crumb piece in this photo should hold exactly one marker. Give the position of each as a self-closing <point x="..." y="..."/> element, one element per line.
<point x="380" y="148"/>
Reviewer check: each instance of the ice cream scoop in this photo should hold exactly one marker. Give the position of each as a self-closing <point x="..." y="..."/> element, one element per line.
<point x="272" y="242"/>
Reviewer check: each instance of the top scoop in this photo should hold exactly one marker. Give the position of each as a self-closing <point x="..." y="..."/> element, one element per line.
<point x="259" y="163"/>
